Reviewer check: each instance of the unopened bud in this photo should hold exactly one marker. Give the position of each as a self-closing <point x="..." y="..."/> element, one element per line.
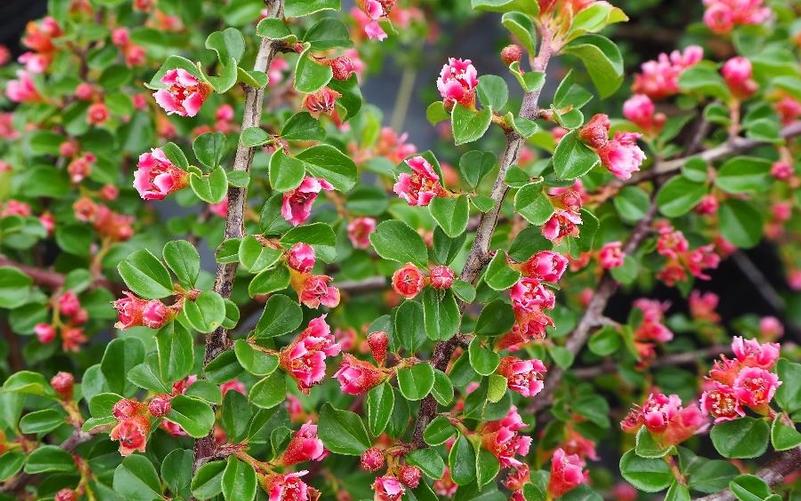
<point x="511" y="54"/>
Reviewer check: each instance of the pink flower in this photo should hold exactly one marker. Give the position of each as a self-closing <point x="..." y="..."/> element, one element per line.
<point x="441" y="277"/>
<point x="660" y="78"/>
<point x="529" y="295"/>
<point x="97" y="114"/>
<point x="788" y="109"/>
<point x="563" y="223"/>
<point x="359" y="231"/>
<point x="160" y="405"/>
<point x="132" y="434"/>
<point x="611" y="255"/>
<point x="666" y="419"/>
<point x="708" y="205"/>
<point x="782" y="170"/>
<point x="297" y="204"/>
<point x="233" y="385"/>
<point x="45" y="333"/>
<point x="753" y="354"/>
<point x="755" y="387"/>
<point x="372" y="459"/>
<point x="523" y="376"/>
<point x="501" y="438"/>
<point x="317" y="290"/>
<point x="304" y="445"/>
<point x="133" y="311"/>
<point x="457" y="82"/>
<point x="703" y="306"/>
<point x="22" y="90"/>
<point x="640" y="110"/>
<point x="445" y="486"/>
<point x="342" y="67"/>
<point x="322" y="102"/>
<point x="388" y="488"/>
<point x="301" y="257"/>
<point x="374" y="31"/>
<point x="770" y="328"/>
<point x="721" y="403"/>
<point x="68" y="304"/>
<point x="548" y="266"/>
<point x="289" y="487"/>
<point x="357" y="376"/>
<point x="408" y="281"/>
<point x="721" y="16"/>
<point x="737" y="73"/>
<point x="276" y="70"/>
<point x="528" y="326"/>
<point x="184" y="94"/>
<point x="621" y="155"/>
<point x="154" y="314"/>
<point x="304" y="359"/>
<point x="595" y="133"/>
<point x="567" y="473"/>
<point x="421" y="186"/>
<point x="156" y="177"/>
<point x="62" y="384"/>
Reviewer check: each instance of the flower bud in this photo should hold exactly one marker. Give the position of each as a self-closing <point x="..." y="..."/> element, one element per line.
<point x="65" y="495"/>
<point x="378" y="342"/>
<point x="154" y="314"/>
<point x="595" y="133"/>
<point x="301" y="257"/>
<point x="124" y="408"/>
<point x="45" y="333"/>
<point x="372" y="459"/>
<point x="441" y="277"/>
<point x="97" y="114"/>
<point x="511" y="54"/>
<point x="62" y="383"/>
<point x="159" y="406"/>
<point x="410" y="475"/>
<point x="342" y="68"/>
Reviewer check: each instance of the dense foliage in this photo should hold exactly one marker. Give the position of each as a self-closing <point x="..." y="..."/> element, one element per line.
<point x="386" y="322"/>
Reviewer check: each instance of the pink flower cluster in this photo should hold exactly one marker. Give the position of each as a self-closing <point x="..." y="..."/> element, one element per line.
<point x="737" y="73"/>
<point x="39" y="38"/>
<point x="409" y="280"/>
<point x="666" y="419"/>
<point x="523" y="376"/>
<point x="304" y="445"/>
<point x="746" y="381"/>
<point x="611" y="255"/>
<point x="680" y="258"/>
<point x="566" y="218"/>
<point x="68" y="321"/>
<point x="133" y="311"/>
<point x="304" y="358"/>
<point x="531" y="297"/>
<point x="641" y="111"/>
<point x="135" y="55"/>
<point x="107" y="223"/>
<point x="421" y="185"/>
<point x="23" y="89"/>
<point x="703" y="306"/>
<point x="503" y="440"/>
<point x="457" y="83"/>
<point x="313" y="290"/>
<point x="184" y="93"/>
<point x="620" y="155"/>
<point x="659" y="78"/>
<point x="567" y="473"/>
<point x="721" y="16"/>
<point x="289" y="486"/>
<point x="297" y="204"/>
<point x="357" y="376"/>
<point x="651" y="329"/>
<point x="156" y="177"/>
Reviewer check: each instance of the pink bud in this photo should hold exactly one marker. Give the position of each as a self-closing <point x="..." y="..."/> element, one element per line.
<point x="45" y="333"/>
<point x="372" y="459"/>
<point x="160" y="405"/>
<point x="154" y="314"/>
<point x="342" y="67"/>
<point x="782" y="170"/>
<point x="441" y="277"/>
<point x="97" y="114"/>
<point x="511" y="54"/>
<point x="378" y="342"/>
<point x="595" y="133"/>
<point x="65" y="495"/>
<point x="62" y="383"/>
<point x="410" y="475"/>
<point x="611" y="255"/>
<point x="301" y="257"/>
<point x="408" y="281"/>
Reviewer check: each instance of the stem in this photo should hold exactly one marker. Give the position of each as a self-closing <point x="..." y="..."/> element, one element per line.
<point x="687" y="357"/>
<point x="479" y="254"/>
<point x="786" y="463"/>
<point x="403" y="98"/>
<point x="19" y="482"/>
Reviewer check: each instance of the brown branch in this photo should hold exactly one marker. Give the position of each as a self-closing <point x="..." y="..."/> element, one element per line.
<point x="217" y="341"/>
<point x="732" y="147"/>
<point x="786" y="463"/>
<point x="480" y="254"/>
<point x="70" y="444"/>
<point x="673" y="359"/>
<point x="52" y="279"/>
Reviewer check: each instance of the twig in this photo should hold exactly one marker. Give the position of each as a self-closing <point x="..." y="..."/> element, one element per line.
<point x="52" y="279"/>
<point x="15" y="361"/>
<point x="479" y="254"/>
<point x="665" y="361"/>
<point x="70" y="444"/>
<point x="758" y="279"/>
<point x="356" y="287"/>
<point x="786" y="463"/>
<point x="403" y="98"/>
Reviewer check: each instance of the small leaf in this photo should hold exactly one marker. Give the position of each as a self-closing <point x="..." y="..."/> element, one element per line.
<point x="451" y="214"/>
<point x="396" y="241"/>
<point x="238" y="481"/>
<point x="342" y="432"/>
<point x="144" y="274"/>
<point x="416" y="382"/>
<point x="469" y="125"/>
<point x="572" y="158"/>
<point x="742" y="438"/>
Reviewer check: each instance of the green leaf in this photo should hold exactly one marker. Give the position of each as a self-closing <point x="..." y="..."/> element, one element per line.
<point x="522" y="27"/>
<point x="783" y="435"/>
<point x="209" y="148"/>
<point x="451" y="214"/>
<point x="677" y="492"/>
<point x="269" y="392"/>
<point x="474" y="165"/>
<point x="648" y="475"/>
<point x="572" y="158"/>
<point x="207" y="481"/>
<point x="469" y="125"/>
<point x="286" y="173"/>
<point x="484" y="361"/>
<point x="443" y="388"/>
<point x="268" y="281"/>
<point x="605" y="342"/>
<point x="499" y="276"/>
<point x="492" y="91"/>
<point x="15" y="287"/>
<point x="254" y="136"/>
<point x="121" y="355"/>
<point x="397" y="241"/>
<point x="788" y="396"/>
<point x="136" y="478"/>
<point x="710" y="476"/>
<point x="281" y="315"/>
<point x="679" y="195"/>
<point x="342" y="432"/>
<point x="238" y="481"/>
<point x="429" y="462"/>
<point x="311" y="76"/>
<point x="440" y="314"/>
<point x="301" y="8"/>
<point x="416" y="382"/>
<point x="631" y="203"/>
<point x="254" y="361"/>
<point x="744" y="175"/>
<point x="183" y="260"/>
<point x="438" y="431"/>
<point x="49" y="459"/>
<point x="462" y="461"/>
<point x="602" y="59"/>
<point x="742" y="438"/>
<point x="704" y="79"/>
<point x="487" y="467"/>
<point x="210" y="188"/>
<point x="525" y="6"/>
<point x="749" y="488"/>
<point x="496" y="318"/>
<point x="10" y="464"/>
<point x="175" y="348"/>
<point x="302" y="127"/>
<point x="329" y="163"/>
<point x="228" y="44"/>
<point x="27" y="383"/>
<point x="380" y="402"/>
<point x="206" y="312"/>
<point x="256" y="256"/>
<point x="740" y="223"/>
<point x="647" y="447"/>
<point x="42" y="421"/>
<point x="533" y="204"/>
<point x="328" y="33"/>
<point x="409" y="332"/>
<point x="192" y="414"/>
<point x="145" y="276"/>
<point x="319" y="235"/>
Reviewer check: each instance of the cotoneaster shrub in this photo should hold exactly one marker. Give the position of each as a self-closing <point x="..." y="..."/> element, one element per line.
<point x="383" y="323"/>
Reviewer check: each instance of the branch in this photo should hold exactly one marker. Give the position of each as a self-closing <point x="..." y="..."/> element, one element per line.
<point x="77" y="438"/>
<point x="786" y="463"/>
<point x="479" y="254"/>
<point x="732" y="147"/>
<point x="52" y="279"/>
<point x="688" y="357"/>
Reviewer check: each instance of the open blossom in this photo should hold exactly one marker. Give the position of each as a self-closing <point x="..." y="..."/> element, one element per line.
<point x="611" y="255"/>
<point x="720" y="402"/>
<point x="421" y="186"/>
<point x="304" y="445"/>
<point x="703" y="306"/>
<point x="666" y="419"/>
<point x="357" y="376"/>
<point x="563" y="223"/>
<point x="317" y="290"/>
<point x="388" y="488"/>
<point x="530" y="295"/>
<point x="640" y="110"/>
<point x="156" y="177"/>
<point x="548" y="266"/>
<point x="288" y="487"/>
<point x="184" y="93"/>
<point x="359" y="231"/>
<point x="502" y="439"/>
<point x="301" y="257"/>
<point x="297" y="204"/>
<point x="721" y="16"/>
<point x="394" y="146"/>
<point x="370" y="13"/>
<point x="567" y="473"/>
<point x="737" y="73"/>
<point x="304" y="359"/>
<point x="621" y="155"/>
<point x="372" y="459"/>
<point x="131" y="434"/>
<point x="457" y="82"/>
<point x="322" y="102"/>
<point x="660" y="78"/>
<point x="408" y="281"/>
<point x="22" y="90"/>
<point x="528" y="326"/>
<point x="755" y="387"/>
<point x="523" y="376"/>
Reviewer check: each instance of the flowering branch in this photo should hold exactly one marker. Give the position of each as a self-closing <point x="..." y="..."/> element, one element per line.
<point x="671" y="360"/>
